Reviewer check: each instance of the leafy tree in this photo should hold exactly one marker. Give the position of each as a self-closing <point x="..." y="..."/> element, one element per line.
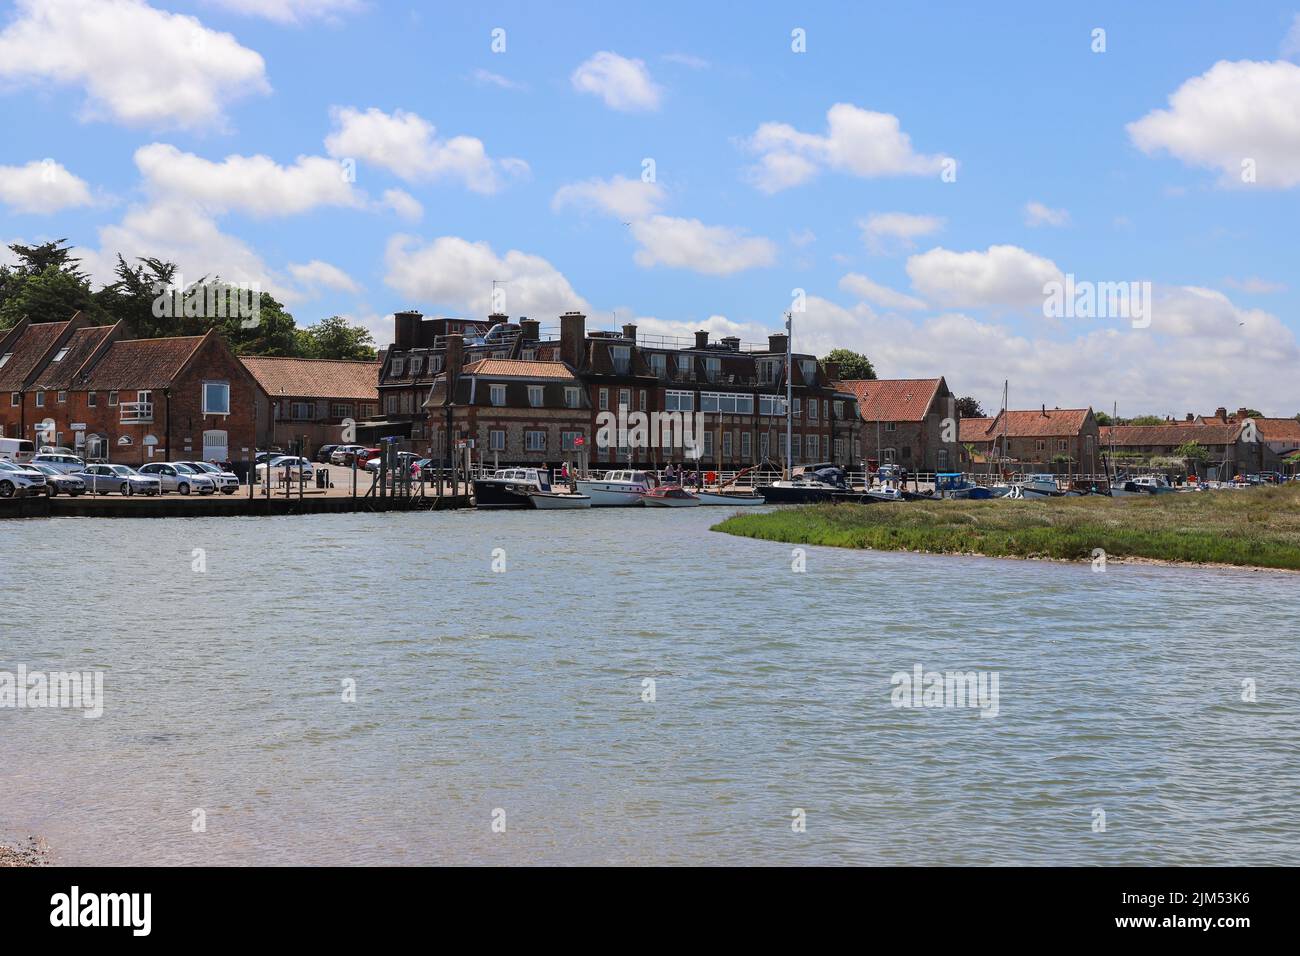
<point x="45" y="285"/>
<point x="275" y="332"/>
<point x="852" y="364"/>
<point x="1192" y="451"/>
<point x="969" y="407"/>
<point x="1104" y="419"/>
<point x="131" y="298"/>
<point x="1147" y="420"/>
<point x="335" y="338"/>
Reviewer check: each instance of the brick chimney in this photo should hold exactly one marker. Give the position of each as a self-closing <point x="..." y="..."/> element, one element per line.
<point x="776" y="342"/>
<point x="530" y="329"/>
<point x="1191" y="417"/>
<point x="702" y="339"/>
<point x="496" y="318"/>
<point x="405" y="329"/>
<point x="573" y="337"/>
<point x="832" y="370"/>
<point x="731" y="343"/>
<point x="1221" y="413"/>
<point x="629" y="331"/>
<point x="1243" y="414"/>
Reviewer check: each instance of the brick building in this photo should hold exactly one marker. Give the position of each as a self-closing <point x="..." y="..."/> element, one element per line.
<point x="1050" y="439"/>
<point x="306" y="401"/>
<point x="127" y="400"/>
<point x="902" y="422"/>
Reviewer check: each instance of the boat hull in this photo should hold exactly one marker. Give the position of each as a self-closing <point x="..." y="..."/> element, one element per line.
<point x="605" y="494"/>
<point x="777" y="495"/>
<point x="651" y="502"/>
<point x="720" y="498"/>
<point x="550" y="501"/>
<point x="493" y="493"/>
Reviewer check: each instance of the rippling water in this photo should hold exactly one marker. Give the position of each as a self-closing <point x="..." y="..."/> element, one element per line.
<point x="522" y="691"/>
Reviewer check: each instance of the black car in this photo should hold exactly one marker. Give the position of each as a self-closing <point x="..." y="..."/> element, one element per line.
<point x="323" y="453"/>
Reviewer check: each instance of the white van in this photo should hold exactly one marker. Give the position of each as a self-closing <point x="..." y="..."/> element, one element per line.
<point x="16" y="449"/>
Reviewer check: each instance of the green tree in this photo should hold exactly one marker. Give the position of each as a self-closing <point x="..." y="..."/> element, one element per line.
<point x="969" y="407"/>
<point x="1147" y="420"/>
<point x="1253" y="413"/>
<point x="131" y="298"/>
<point x="336" y="338"/>
<point x="1103" y="419"/>
<point x="852" y="364"/>
<point x="274" y="333"/>
<point x="45" y="285"/>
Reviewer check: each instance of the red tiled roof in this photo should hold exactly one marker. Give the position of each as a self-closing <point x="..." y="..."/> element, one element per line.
<point x="31" y="344"/>
<point x="1278" y="429"/>
<point x="518" y="368"/>
<point x="1171" y="433"/>
<point x="973" y="429"/>
<point x="141" y="363"/>
<point x="81" y="345"/>
<point x="315" y="378"/>
<point x="893" y="400"/>
<point x="1037" y="423"/>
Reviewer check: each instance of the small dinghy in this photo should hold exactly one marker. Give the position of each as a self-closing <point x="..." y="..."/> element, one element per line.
<point x="669" y="496"/>
<point x="729" y="498"/>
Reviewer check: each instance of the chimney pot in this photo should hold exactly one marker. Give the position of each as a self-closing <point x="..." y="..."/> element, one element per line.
<point x="776" y="342"/>
<point x="573" y="336"/>
<point x="702" y="339"/>
<point x="629" y="331"/>
<point x="530" y="329"/>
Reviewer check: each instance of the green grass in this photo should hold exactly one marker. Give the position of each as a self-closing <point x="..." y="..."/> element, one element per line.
<point x="1258" y="527"/>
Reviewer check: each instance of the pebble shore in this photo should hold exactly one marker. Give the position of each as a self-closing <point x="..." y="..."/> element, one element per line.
<point x="31" y="852"/>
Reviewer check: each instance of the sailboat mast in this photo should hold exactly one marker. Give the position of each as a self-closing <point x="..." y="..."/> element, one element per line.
<point x="789" y="395"/>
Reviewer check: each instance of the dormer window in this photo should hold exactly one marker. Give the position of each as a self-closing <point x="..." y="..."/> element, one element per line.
<point x="621" y="357"/>
<point x="396" y="367"/>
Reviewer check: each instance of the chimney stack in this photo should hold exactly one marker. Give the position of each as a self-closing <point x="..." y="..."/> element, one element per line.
<point x="405" y="328"/>
<point x="1243" y="414"/>
<point x="776" y="342"/>
<point x="496" y="318"/>
<point x="573" y="336"/>
<point x="1221" y="413"/>
<point x="731" y="343"/>
<point x="832" y="370"/>
<point x="452" y="364"/>
<point x="702" y="339"/>
<point x="629" y="331"/>
<point x="530" y="329"/>
<point x="1191" y="417"/>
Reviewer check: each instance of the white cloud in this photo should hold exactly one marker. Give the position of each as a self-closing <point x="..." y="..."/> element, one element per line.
<point x="253" y="184"/>
<point x="1291" y="42"/>
<point x="404" y="204"/>
<point x="623" y="84"/>
<point x="802" y="237"/>
<point x="688" y="60"/>
<point x="182" y="232"/>
<point x="690" y="244"/>
<point x="407" y="145"/>
<point x="1254" y="285"/>
<point x="626" y="198"/>
<point x="885" y="231"/>
<point x="1234" y="112"/>
<point x="450" y="272"/>
<point x="877" y="294"/>
<point x="321" y="275"/>
<point x="137" y="65"/>
<point x="857" y="141"/>
<point x="41" y="187"/>
<point x="290" y="11"/>
<point x="1037" y="214"/>
<point x="487" y="78"/>
<point x="1000" y="276"/>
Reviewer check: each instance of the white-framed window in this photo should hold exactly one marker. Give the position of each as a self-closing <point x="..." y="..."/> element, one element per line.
<point x="40" y="398"/>
<point x="712" y="367"/>
<point x="675" y="401"/>
<point x="390" y="404"/>
<point x="497" y="394"/>
<point x="727" y="403"/>
<point x="61" y="354"/>
<point x="396" y="367"/>
<point x="839" y="411"/>
<point x="798" y="408"/>
<point x="891" y="426"/>
<point x="771" y="405"/>
<point x="528" y="355"/>
<point x="1061" y="443"/>
<point x="569" y="440"/>
<point x="497" y="440"/>
<point x="726" y="444"/>
<point x="572" y="397"/>
<point x="809" y="369"/>
<point x="764" y="444"/>
<point x="708" y="444"/>
<point x="625" y="398"/>
<point x="216" y="398"/>
<point x="746" y="446"/>
<point x="340" y="410"/>
<point x="621" y="357"/>
<point x="812" y="447"/>
<point x="826" y="409"/>
<point x="686" y="366"/>
<point x="300" y="411"/>
<point x="889" y="456"/>
<point x="941" y="459"/>
<point x="112" y="398"/>
<point x="63" y="397"/>
<point x="642" y="406"/>
<point x="604" y="399"/>
<point x="658" y="363"/>
<point x="812" y="409"/>
<point x="535" y="396"/>
<point x="15" y="399"/>
<point x="1040" y="445"/>
<point x="768" y="371"/>
<point x="534" y="441"/>
<point x="4" y="359"/>
<point x="92" y="400"/>
<point x="417" y="364"/>
<point x="798" y="441"/>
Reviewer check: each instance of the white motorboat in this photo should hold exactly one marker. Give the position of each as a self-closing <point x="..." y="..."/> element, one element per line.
<point x="617" y="489"/>
<point x="523" y="488"/>
<point x="883" y="493"/>
<point x="1037" y="486"/>
<point x="558" y="500"/>
<point x="1145" y="485"/>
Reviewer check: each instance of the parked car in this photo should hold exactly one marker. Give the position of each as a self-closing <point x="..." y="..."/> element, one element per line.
<point x="58" y="482"/>
<point x="290" y="463"/>
<point x="125" y="480"/>
<point x="323" y="454"/>
<point x="174" y="476"/>
<point x="344" y="454"/>
<point x="227" y="481"/>
<point x="16" y="449"/>
<point x="67" y="464"/>
<point x="19" y="480"/>
<point x="404" y="458"/>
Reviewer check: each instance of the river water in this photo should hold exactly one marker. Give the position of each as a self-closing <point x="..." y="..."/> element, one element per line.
<point x="517" y="700"/>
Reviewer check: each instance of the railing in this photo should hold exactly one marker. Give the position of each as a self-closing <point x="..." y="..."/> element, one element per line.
<point x="135" y="412"/>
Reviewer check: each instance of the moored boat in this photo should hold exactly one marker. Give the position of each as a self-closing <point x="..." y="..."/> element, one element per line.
<point x="558" y="500"/>
<point x="617" y="489"/>
<point x="729" y="498"/>
<point x="669" y="496"/>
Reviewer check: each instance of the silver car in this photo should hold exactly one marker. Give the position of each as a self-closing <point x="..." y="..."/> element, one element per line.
<point x="18" y="480"/>
<point x="125" y="480"/>
<point x="175" y="476"/>
<point x="67" y="464"/>
<point x="58" y="482"/>
<point x="227" y="481"/>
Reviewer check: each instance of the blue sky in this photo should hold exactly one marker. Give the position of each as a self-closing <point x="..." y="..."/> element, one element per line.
<point x="134" y="128"/>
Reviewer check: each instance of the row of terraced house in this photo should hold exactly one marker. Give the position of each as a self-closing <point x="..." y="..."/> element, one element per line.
<point x="532" y="397"/>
